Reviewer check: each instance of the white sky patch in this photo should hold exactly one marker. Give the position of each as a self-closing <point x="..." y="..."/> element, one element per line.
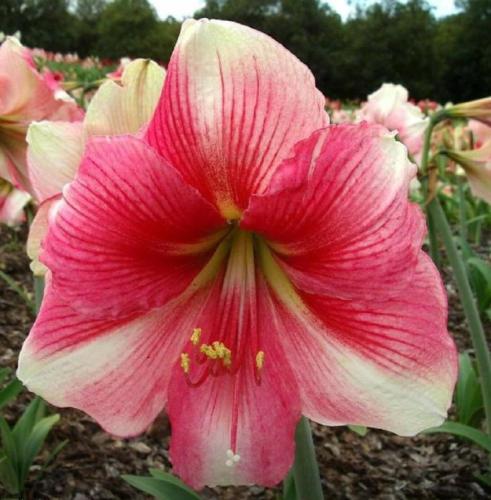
<point x="186" y="8"/>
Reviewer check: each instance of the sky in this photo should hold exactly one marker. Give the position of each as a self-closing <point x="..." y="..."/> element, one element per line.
<point x="186" y="8"/>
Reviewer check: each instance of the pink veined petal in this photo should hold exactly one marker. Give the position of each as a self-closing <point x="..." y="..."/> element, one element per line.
<point x="233" y="105"/>
<point x="337" y="213"/>
<point x="244" y="411"/>
<point x="53" y="155"/>
<point x="116" y="370"/>
<point x="129" y="234"/>
<point x="382" y="362"/>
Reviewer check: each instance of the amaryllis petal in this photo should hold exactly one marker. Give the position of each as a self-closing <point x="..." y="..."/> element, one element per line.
<point x="233" y="402"/>
<point x="54" y="154"/>
<point x="23" y="90"/>
<point x="481" y="132"/>
<point x="115" y="370"/>
<point x="12" y="204"/>
<point x="233" y="105"/>
<point x="477" y="166"/>
<point x="128" y="223"/>
<point x="480" y="109"/>
<point x="385" y="363"/>
<point x="37" y="231"/>
<point x="337" y="213"/>
<point x="123" y="108"/>
<point x="203" y="420"/>
<point x="13" y="164"/>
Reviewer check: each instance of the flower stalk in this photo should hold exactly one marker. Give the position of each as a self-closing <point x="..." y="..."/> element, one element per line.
<point x="472" y="314"/>
<point x="440" y="222"/>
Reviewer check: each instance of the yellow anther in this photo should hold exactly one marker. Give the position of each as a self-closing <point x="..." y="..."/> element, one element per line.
<point x="217" y="350"/>
<point x="196" y="336"/>
<point x="260" y="359"/>
<point x="185" y="362"/>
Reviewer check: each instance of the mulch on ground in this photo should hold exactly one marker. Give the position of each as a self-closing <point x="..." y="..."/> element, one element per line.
<point x="377" y="466"/>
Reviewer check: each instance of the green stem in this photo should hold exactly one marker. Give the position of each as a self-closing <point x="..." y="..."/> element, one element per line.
<point x="433" y="239"/>
<point x="478" y="337"/>
<point x="434" y="250"/>
<point x="305" y="468"/>
<point x="462" y="209"/>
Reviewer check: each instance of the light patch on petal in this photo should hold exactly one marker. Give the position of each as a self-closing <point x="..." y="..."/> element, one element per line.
<point x="54" y="153"/>
<point x="126" y="107"/>
<point x="116" y="370"/>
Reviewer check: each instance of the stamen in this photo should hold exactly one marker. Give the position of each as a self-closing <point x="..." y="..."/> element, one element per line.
<point x="196" y="336"/>
<point x="185" y="362"/>
<point x="217" y="350"/>
<point x="260" y="360"/>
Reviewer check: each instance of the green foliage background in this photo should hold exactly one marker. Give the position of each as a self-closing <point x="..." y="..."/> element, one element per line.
<point x="391" y="41"/>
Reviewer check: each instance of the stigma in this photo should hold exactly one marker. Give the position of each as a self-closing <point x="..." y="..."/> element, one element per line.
<point x="232" y="458"/>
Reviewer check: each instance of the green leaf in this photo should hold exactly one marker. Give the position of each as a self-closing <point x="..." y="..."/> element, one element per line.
<point x="8" y="443"/>
<point x="480" y="275"/>
<point x="3" y="374"/>
<point x="35" y="442"/>
<point x="8" y="476"/>
<point x="10" y="392"/>
<point x="484" y="478"/>
<point x="289" y="489"/>
<point x="468" y="394"/>
<point x="25" y="424"/>
<point x="464" y="431"/>
<point x="166" y="476"/>
<point x="358" y="429"/>
<point x="162" y="489"/>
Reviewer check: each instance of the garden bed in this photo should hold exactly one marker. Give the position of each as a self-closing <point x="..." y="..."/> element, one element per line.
<point x="378" y="465"/>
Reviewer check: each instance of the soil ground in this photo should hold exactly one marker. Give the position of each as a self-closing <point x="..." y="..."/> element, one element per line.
<point x="377" y="466"/>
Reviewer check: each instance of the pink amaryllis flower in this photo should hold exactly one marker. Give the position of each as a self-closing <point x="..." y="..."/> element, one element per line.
<point x="25" y="96"/>
<point x="240" y="265"/>
<point x="390" y="107"/>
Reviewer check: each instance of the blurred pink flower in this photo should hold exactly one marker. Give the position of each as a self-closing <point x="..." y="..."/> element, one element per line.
<point x="477" y="166"/>
<point x="25" y="96"/>
<point x="481" y="132"/>
<point x="12" y="204"/>
<point x="389" y="106"/>
<point x="240" y="264"/>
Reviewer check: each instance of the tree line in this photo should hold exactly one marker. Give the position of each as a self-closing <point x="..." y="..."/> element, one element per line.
<point x="391" y="41"/>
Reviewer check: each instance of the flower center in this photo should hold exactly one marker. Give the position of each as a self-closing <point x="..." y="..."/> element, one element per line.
<point x="231" y="336"/>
